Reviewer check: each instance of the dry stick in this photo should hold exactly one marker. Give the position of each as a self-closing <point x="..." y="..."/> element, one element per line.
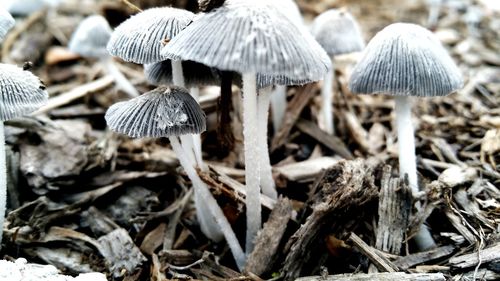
<point x="132" y="6"/>
<point x="76" y="93"/>
<point x="14" y="34"/>
<point x="381" y="262"/>
<point x="225" y="136"/>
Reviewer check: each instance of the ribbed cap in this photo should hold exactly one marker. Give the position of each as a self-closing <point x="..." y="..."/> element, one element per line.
<point x="195" y="74"/>
<point x="6" y="22"/>
<point x="21" y="92"/>
<point x="250" y="36"/>
<point x="405" y="60"/>
<point x="140" y="38"/>
<point x="162" y="112"/>
<point x="337" y="32"/>
<point x="290" y="9"/>
<point x="90" y="37"/>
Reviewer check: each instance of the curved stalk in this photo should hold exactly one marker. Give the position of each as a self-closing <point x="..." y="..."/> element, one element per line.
<point x="3" y="181"/>
<point x="207" y="197"/>
<point x="408" y="161"/>
<point x="266" y="173"/>
<point x="326" y="104"/>
<point x="120" y="80"/>
<point x="252" y="165"/>
<point x="278" y="106"/>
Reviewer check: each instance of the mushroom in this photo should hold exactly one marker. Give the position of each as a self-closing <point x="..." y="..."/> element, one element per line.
<point x="21" y="93"/>
<point x="258" y="39"/>
<point x="172" y="112"/>
<point x="338" y="33"/>
<point x="6" y="22"/>
<point x="90" y="39"/>
<point x="405" y="60"/>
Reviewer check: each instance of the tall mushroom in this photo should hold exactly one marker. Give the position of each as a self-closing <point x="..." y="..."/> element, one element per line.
<point x="172" y="112"/>
<point x="21" y="93"/>
<point x="338" y="33"/>
<point x="405" y="60"/>
<point x="90" y="39"/>
<point x="257" y="39"/>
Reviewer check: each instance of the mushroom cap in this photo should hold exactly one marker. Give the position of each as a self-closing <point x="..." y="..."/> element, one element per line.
<point x="247" y="37"/>
<point x="162" y="112"/>
<point x="21" y="92"/>
<point x="290" y="9"/>
<point x="264" y="80"/>
<point x="195" y="74"/>
<point x="90" y="37"/>
<point x="337" y="32"/>
<point x="140" y="38"/>
<point x="6" y="22"/>
<point x="405" y="59"/>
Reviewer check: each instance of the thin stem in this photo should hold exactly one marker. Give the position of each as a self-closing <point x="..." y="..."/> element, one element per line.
<point x="326" y="105"/>
<point x="177" y="73"/>
<point x="3" y="181"/>
<point x="195" y="92"/>
<point x="266" y="173"/>
<point x="278" y="106"/>
<point x="408" y="161"/>
<point x="120" y="80"/>
<point x="187" y="145"/>
<point x="252" y="165"/>
<point x="207" y="197"/>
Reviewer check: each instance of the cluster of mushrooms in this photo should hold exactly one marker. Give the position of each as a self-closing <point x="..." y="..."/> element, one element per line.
<point x="266" y="44"/>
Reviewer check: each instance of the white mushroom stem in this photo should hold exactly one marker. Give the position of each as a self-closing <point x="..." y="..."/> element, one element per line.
<point x="195" y="93"/>
<point x="408" y="161"/>
<point x="326" y="105"/>
<point x="278" y="106"/>
<point x="205" y="196"/>
<point x="252" y="165"/>
<point x="177" y="73"/>
<point x="120" y="80"/>
<point x="187" y="145"/>
<point x="3" y="180"/>
<point x="266" y="173"/>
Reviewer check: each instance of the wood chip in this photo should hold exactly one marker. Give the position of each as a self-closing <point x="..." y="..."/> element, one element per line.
<point x="490" y="254"/>
<point x="400" y="276"/>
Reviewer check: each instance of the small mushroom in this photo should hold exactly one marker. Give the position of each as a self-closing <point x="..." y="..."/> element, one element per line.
<point x="405" y="60"/>
<point x="338" y="33"/>
<point x="21" y="93"/>
<point x="90" y="39"/>
<point x="6" y="22"/>
<point x="172" y="112"/>
<point x="257" y="39"/>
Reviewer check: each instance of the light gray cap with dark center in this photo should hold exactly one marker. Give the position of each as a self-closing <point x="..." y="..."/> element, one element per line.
<point x="90" y="37"/>
<point x="250" y="36"/>
<point x="21" y="92"/>
<point x="140" y="38"/>
<point x="162" y="112"/>
<point x="405" y="59"/>
<point x="337" y="32"/>
<point x="6" y="22"/>
<point x="195" y="74"/>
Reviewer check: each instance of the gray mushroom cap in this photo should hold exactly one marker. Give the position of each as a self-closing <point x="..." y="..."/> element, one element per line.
<point x="195" y="74"/>
<point x="21" y="92"/>
<point x="90" y="37"/>
<point x="405" y="60"/>
<point x="162" y="112"/>
<point x="337" y="32"/>
<point x="6" y="22"/>
<point x="140" y="38"/>
<point x="245" y="37"/>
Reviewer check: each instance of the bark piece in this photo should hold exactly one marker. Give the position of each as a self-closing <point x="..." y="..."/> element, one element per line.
<point x="346" y="188"/>
<point x="394" y="212"/>
<point x="121" y="254"/>
<point x="305" y="170"/>
<point x="262" y="258"/>
<point x="423" y="257"/>
<point x="400" y="276"/>
<point x="490" y="254"/>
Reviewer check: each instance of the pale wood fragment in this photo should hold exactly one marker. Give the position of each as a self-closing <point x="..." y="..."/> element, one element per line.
<point x="400" y="276"/>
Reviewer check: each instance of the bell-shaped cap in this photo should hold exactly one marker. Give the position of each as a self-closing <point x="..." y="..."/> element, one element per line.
<point x="162" y="112"/>
<point x="90" y="37"/>
<point x="290" y="9"/>
<point x="21" y="92"/>
<point x="250" y="37"/>
<point x="195" y="74"/>
<point x="140" y="38"/>
<point x="405" y="59"/>
<point x="337" y="32"/>
<point x="6" y="22"/>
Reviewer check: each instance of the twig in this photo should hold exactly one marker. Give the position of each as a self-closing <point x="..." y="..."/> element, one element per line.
<point x="132" y="6"/>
